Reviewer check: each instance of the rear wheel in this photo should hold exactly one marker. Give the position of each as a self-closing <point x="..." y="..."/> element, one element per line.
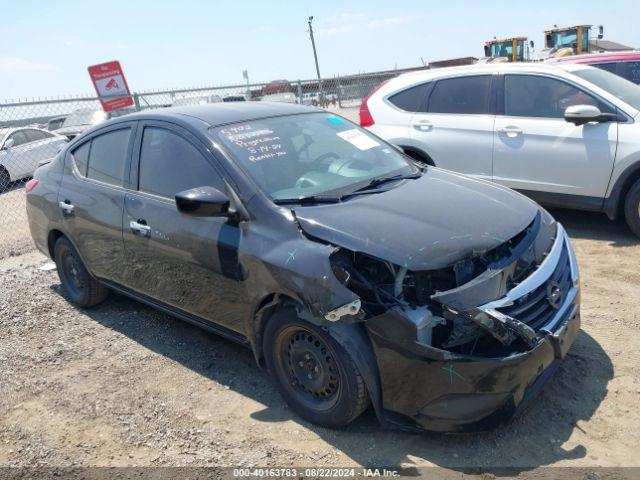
<point x="82" y="288"/>
<point x="313" y="372"/>
<point x="5" y="179"/>
<point x="632" y="208"/>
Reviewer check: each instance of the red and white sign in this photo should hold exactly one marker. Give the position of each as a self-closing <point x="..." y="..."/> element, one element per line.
<point x="109" y="81"/>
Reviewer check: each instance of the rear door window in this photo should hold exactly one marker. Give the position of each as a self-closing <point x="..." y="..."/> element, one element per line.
<point x="544" y="97"/>
<point x="81" y="157"/>
<point x="462" y="95"/>
<point x="412" y="99"/>
<point x="170" y="164"/>
<point x="108" y="156"/>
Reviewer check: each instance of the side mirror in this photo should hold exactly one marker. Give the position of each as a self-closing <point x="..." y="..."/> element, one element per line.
<point x="581" y="114"/>
<point x="8" y="144"/>
<point x="203" y="202"/>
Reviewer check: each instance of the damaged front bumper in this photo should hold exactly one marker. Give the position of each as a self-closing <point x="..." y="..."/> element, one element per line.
<point x="434" y="389"/>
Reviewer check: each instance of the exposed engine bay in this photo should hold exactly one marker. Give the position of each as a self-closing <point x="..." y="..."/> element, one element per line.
<point x="442" y="303"/>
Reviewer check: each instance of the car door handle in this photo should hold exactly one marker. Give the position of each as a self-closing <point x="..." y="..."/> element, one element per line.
<point x="423" y="125"/>
<point x="140" y="228"/>
<point x="510" y="131"/>
<point x="66" y="207"/>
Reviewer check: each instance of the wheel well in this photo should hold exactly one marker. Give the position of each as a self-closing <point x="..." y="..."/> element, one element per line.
<point x="418" y="154"/>
<point x="266" y="308"/>
<point x="626" y="186"/>
<point x="53" y="237"/>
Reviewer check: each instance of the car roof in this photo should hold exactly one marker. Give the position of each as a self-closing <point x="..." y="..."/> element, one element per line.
<point x="216" y="114"/>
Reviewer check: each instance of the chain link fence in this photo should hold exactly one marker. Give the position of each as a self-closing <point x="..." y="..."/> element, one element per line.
<point x="33" y="132"/>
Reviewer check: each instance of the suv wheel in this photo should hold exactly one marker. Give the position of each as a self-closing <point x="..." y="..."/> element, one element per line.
<point x="82" y="288"/>
<point x="632" y="208"/>
<point x="314" y="374"/>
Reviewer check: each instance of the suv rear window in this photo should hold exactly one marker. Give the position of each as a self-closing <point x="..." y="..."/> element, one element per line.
<point x="412" y="99"/>
<point x="468" y="95"/>
<point x="108" y="156"/>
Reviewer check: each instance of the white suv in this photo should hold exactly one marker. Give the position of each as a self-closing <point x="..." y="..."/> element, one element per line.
<point x="565" y="135"/>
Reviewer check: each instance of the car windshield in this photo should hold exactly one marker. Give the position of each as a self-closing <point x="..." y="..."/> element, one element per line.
<point x="625" y="90"/>
<point x="85" y="117"/>
<point x="307" y="155"/>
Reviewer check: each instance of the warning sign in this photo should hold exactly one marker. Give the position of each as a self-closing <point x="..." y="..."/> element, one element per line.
<point x="109" y="81"/>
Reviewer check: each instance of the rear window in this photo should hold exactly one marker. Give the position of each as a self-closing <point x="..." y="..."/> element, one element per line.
<point x="108" y="156"/>
<point x="462" y="95"/>
<point x="629" y="71"/>
<point x="412" y="99"/>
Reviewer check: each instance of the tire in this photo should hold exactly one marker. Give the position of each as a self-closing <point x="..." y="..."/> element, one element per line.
<point x="5" y="179"/>
<point x="314" y="374"/>
<point x="632" y="208"/>
<point x="83" y="290"/>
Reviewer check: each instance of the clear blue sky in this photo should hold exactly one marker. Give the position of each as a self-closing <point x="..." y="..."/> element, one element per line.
<point x="47" y="47"/>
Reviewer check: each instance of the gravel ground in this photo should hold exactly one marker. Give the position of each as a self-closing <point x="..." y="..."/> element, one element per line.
<point x="123" y="385"/>
<point x="14" y="229"/>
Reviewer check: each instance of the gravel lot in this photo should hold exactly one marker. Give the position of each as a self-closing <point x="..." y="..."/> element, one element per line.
<point x="124" y="385"/>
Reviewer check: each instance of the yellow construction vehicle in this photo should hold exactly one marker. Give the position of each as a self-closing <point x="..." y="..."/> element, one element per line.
<point x="564" y="41"/>
<point x="513" y="49"/>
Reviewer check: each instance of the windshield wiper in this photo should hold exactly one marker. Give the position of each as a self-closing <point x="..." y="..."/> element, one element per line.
<point x="311" y="199"/>
<point x="376" y="182"/>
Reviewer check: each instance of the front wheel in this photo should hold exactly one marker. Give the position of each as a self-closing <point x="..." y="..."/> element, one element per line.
<point x="315" y="375"/>
<point x="82" y="288"/>
<point x="632" y="208"/>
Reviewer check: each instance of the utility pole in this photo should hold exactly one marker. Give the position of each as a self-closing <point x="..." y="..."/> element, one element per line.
<point x="245" y="74"/>
<point x="315" y="56"/>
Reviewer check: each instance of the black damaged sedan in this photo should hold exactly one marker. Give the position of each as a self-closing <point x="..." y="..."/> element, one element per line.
<point x="356" y="276"/>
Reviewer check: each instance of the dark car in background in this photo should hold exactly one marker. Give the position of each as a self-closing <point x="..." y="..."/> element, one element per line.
<point x="624" y="64"/>
<point x="55" y="122"/>
<point x="84" y="118"/>
<point x="356" y="276"/>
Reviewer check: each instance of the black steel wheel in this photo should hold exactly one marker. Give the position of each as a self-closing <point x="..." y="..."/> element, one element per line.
<point x="82" y="288"/>
<point x="315" y="375"/>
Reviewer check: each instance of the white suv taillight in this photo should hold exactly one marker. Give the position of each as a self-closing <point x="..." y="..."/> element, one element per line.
<point x="366" y="119"/>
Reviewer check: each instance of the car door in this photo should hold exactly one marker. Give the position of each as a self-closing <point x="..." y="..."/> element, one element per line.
<point x="456" y="130"/>
<point x="189" y="263"/>
<point x="536" y="150"/>
<point x="91" y="198"/>
<point x="14" y="156"/>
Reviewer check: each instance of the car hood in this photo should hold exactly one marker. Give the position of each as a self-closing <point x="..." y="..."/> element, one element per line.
<point x="423" y="224"/>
